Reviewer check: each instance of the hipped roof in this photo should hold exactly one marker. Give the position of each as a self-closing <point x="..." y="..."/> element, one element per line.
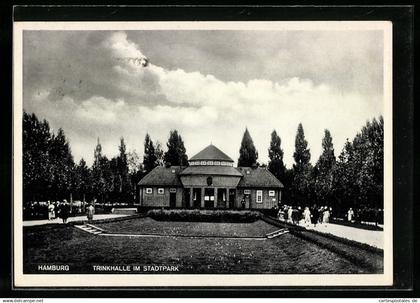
<point x="211" y="152"/>
<point x="162" y="176"/>
<point x="258" y="177"/>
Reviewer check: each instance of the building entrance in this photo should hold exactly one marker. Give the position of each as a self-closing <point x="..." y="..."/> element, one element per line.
<point x="196" y="198"/>
<point x="172" y="200"/>
<point x="209" y="198"/>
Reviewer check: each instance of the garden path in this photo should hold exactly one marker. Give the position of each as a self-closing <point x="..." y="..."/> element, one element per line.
<point x="372" y="237"/>
<point x="72" y="219"/>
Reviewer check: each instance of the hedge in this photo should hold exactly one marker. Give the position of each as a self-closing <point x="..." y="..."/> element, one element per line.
<point x="204" y="215"/>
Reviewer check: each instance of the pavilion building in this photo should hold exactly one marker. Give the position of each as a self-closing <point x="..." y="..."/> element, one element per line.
<point x="210" y="181"/>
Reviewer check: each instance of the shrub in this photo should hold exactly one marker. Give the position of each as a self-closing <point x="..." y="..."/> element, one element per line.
<point x="204" y="215"/>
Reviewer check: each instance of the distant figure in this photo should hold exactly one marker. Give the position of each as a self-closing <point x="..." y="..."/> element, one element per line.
<point x="243" y="203"/>
<point x="315" y="215"/>
<point x="295" y="216"/>
<point x="90" y="212"/>
<point x="280" y="215"/>
<point x="51" y="211"/>
<point x="307" y="216"/>
<point x="289" y="215"/>
<point x="64" y="211"/>
<point x="350" y="215"/>
<point x="326" y="216"/>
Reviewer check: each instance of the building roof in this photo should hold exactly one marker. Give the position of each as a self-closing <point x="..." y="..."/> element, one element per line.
<point x="258" y="177"/>
<point x="162" y="176"/>
<point x="211" y="152"/>
<point x="211" y="170"/>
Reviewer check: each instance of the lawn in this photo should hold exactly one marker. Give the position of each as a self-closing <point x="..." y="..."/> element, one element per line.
<point x="282" y="255"/>
<point x="151" y="226"/>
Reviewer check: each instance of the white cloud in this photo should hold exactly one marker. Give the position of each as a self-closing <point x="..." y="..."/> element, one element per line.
<point x="203" y="108"/>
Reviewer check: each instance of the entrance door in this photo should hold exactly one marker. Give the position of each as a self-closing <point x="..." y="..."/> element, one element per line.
<point x="186" y="198"/>
<point x="196" y="197"/>
<point x="232" y="196"/>
<point x="209" y="197"/>
<point x="172" y="200"/>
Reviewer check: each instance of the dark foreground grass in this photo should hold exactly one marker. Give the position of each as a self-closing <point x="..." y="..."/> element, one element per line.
<point x="151" y="226"/>
<point x="287" y="254"/>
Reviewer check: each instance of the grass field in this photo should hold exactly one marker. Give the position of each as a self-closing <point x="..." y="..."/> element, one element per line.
<point x="285" y="254"/>
<point x="150" y="226"/>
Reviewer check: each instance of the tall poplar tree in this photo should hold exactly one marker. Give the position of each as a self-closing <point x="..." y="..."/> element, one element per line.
<point x="323" y="171"/>
<point x="99" y="186"/>
<point x="149" y="157"/>
<point x="301" y="169"/>
<point x="62" y="166"/>
<point x="176" y="154"/>
<point x="248" y="154"/>
<point x="275" y="153"/>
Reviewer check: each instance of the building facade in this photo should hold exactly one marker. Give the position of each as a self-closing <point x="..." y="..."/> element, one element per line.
<point x="210" y="182"/>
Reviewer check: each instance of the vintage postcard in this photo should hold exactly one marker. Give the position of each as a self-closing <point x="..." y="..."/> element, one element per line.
<point x="215" y="154"/>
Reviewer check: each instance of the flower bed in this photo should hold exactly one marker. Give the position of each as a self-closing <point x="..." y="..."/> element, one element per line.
<point x="196" y="215"/>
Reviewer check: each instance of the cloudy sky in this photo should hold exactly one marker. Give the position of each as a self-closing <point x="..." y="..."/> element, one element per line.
<point x="209" y="85"/>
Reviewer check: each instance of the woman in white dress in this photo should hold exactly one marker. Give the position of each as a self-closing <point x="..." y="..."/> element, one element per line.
<point x="307" y="216"/>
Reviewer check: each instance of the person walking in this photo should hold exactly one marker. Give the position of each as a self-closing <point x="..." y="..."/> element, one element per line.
<point x="307" y="216"/>
<point x="90" y="212"/>
<point x="289" y="214"/>
<point x="51" y="211"/>
<point x="64" y="211"/>
<point x="315" y="215"/>
<point x="350" y="215"/>
<point x="326" y="216"/>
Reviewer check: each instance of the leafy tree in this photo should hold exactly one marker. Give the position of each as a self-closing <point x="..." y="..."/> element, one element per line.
<point x="323" y="171"/>
<point x="83" y="179"/>
<point x="176" y="154"/>
<point x="159" y="154"/>
<point x="133" y="162"/>
<point x="36" y="140"/>
<point x="62" y="167"/>
<point x="275" y="153"/>
<point x="248" y="154"/>
<point x="125" y="188"/>
<point x="358" y="175"/>
<point x="302" y="169"/>
<point x="99" y="184"/>
<point x="150" y="157"/>
<point x="302" y="154"/>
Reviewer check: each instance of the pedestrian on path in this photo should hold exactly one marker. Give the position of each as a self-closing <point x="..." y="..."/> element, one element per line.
<point x="64" y="211"/>
<point x="350" y="215"/>
<point x="90" y="212"/>
<point x="51" y="211"/>
<point x="315" y="215"/>
<point x="307" y="216"/>
<point x="326" y="216"/>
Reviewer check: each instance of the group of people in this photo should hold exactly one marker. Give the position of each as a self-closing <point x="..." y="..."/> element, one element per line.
<point x="58" y="209"/>
<point x="296" y="215"/>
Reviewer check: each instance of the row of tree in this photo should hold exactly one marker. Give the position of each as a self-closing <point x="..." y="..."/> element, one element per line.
<point x="355" y="179"/>
<point x="50" y="172"/>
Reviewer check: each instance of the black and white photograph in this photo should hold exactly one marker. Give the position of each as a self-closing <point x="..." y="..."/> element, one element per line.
<point x="202" y="153"/>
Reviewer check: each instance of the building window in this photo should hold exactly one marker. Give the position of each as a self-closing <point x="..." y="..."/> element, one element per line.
<point x="224" y="163"/>
<point x="271" y="193"/>
<point x="149" y="190"/>
<point x="259" y="196"/>
<point x="216" y="162"/>
<point x="203" y="162"/>
<point x="247" y="192"/>
<point x="209" y="162"/>
<point x="161" y="191"/>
